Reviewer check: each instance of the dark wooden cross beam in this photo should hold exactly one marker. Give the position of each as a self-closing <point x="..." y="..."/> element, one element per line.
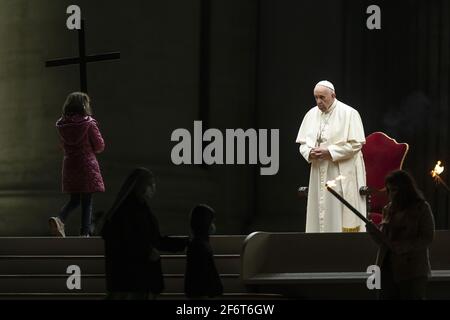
<point x="82" y="60"/>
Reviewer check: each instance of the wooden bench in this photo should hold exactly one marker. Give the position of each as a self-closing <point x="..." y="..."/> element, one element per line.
<point x="327" y="265"/>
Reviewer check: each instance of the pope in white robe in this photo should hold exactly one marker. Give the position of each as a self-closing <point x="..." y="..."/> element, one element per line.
<point x="331" y="137"/>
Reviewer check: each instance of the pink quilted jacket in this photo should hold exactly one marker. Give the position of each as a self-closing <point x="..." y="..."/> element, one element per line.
<point x="81" y="140"/>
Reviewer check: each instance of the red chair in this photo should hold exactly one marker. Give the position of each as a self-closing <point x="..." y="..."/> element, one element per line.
<point x="382" y="155"/>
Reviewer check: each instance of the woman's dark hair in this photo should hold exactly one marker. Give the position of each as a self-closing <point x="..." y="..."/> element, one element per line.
<point x="77" y="103"/>
<point x="407" y="193"/>
<point x="132" y="188"/>
<point x="135" y="183"/>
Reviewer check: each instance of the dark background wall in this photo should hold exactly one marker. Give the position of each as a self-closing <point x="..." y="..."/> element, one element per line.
<point x="232" y="64"/>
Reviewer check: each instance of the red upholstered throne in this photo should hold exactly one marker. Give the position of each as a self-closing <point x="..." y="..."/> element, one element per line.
<point x="382" y="155"/>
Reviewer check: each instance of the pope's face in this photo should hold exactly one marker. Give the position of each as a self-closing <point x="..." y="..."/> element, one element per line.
<point x="324" y="97"/>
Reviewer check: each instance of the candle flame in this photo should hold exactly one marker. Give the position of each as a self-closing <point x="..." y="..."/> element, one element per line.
<point x="435" y="173"/>
<point x="332" y="183"/>
<point x="438" y="169"/>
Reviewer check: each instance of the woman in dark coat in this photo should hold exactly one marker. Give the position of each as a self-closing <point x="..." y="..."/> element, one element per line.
<point x="81" y="140"/>
<point x="133" y="240"/>
<point x="201" y="277"/>
<point x="407" y="231"/>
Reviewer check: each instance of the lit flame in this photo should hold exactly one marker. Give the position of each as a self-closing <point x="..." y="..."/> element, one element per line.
<point x="435" y="173"/>
<point x="332" y="183"/>
<point x="438" y="169"/>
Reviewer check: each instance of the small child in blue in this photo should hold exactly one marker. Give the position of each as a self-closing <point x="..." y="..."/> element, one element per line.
<point x="201" y="277"/>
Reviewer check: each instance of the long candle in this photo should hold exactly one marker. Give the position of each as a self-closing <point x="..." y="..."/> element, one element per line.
<point x="348" y="205"/>
<point x="377" y="231"/>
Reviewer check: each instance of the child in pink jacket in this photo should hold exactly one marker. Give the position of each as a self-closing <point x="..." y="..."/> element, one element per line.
<point x="81" y="140"/>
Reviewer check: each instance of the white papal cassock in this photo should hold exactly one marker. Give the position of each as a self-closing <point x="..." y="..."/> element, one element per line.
<point x="341" y="131"/>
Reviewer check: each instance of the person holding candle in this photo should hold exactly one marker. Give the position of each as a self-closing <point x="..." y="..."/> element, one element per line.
<point x="408" y="226"/>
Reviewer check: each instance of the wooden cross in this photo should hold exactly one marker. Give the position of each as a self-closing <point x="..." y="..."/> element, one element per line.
<point x="82" y="60"/>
